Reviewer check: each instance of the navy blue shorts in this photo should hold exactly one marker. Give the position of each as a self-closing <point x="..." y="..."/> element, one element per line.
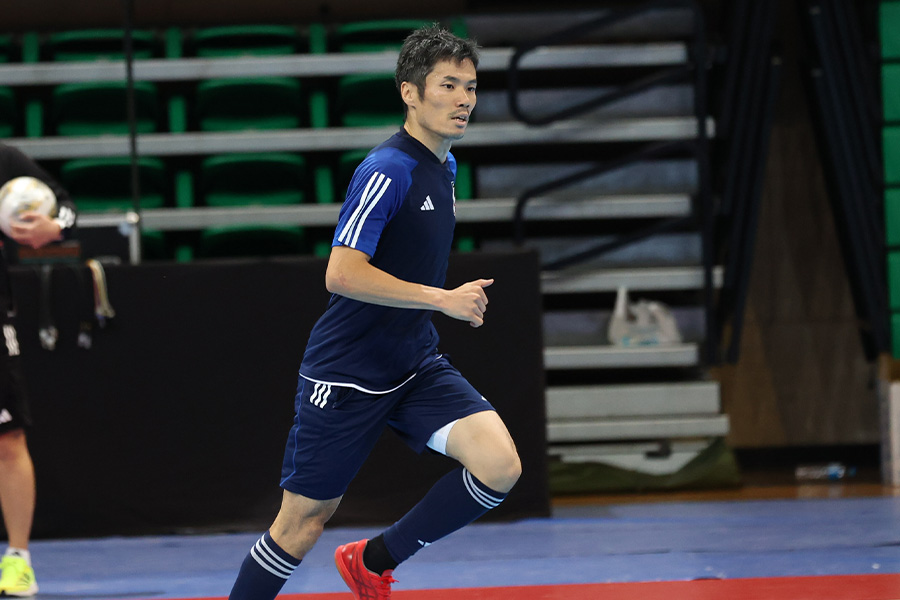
<point x="336" y="427"/>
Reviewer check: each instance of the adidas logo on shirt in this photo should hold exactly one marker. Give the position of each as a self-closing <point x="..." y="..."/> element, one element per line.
<point x="428" y="204"/>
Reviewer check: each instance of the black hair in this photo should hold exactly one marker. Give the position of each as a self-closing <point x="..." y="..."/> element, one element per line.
<point x="427" y="46"/>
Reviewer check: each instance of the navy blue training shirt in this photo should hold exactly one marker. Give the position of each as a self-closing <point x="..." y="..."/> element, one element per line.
<point x="401" y="211"/>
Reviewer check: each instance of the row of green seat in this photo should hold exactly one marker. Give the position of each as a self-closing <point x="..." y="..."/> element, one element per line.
<point x="216" y="105"/>
<point x="211" y="42"/>
<point x="240" y="179"/>
<point x="221" y="105"/>
<point x="889" y="23"/>
<point x="249" y="241"/>
<point x="92" y="108"/>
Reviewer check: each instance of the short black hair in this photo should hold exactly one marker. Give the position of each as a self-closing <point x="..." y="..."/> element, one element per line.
<point x="427" y="46"/>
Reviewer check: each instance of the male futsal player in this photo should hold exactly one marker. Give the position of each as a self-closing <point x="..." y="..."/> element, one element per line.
<point x="371" y="359"/>
<point x="16" y="470"/>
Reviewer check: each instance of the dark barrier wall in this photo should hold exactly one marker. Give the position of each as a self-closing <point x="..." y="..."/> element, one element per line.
<point x="175" y="419"/>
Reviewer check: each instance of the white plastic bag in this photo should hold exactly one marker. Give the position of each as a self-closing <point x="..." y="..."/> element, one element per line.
<point x="642" y="323"/>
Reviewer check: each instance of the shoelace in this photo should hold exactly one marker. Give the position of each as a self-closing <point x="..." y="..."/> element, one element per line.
<point x="384" y="587"/>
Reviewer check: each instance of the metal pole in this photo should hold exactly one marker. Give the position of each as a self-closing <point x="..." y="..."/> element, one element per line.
<point x="132" y="128"/>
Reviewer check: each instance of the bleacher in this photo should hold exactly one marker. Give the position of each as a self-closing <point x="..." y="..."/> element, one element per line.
<point x="247" y="136"/>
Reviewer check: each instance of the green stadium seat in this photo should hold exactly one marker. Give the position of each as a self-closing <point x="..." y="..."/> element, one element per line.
<point x="891" y="141"/>
<point x="99" y="44"/>
<point x="892" y="217"/>
<point x="7" y="112"/>
<point x="895" y="335"/>
<point x="890" y="91"/>
<point x="890" y="30"/>
<point x="100" y="108"/>
<point x="893" y="273"/>
<point x="247" y="104"/>
<point x="245" y="40"/>
<point x="253" y="102"/>
<point x="369" y="100"/>
<point x="374" y="36"/>
<point x="104" y="184"/>
<point x="347" y="163"/>
<point x="6" y="48"/>
<point x="251" y="241"/>
<point x="254" y="179"/>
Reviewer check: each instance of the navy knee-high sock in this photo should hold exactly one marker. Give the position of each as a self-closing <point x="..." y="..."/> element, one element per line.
<point x="264" y="571"/>
<point x="456" y="500"/>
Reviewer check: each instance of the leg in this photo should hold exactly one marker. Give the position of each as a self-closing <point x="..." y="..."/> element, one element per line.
<point x="491" y="467"/>
<point x="17" y="487"/>
<point x="483" y="445"/>
<point x="17" y="503"/>
<point x="279" y="551"/>
<point x="300" y="522"/>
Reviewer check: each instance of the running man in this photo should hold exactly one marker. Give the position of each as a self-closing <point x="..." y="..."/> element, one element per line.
<point x="372" y="361"/>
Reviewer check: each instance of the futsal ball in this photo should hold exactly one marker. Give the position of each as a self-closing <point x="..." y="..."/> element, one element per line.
<point x="21" y="195"/>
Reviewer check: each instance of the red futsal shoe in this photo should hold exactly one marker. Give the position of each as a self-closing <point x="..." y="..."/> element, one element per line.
<point x="364" y="584"/>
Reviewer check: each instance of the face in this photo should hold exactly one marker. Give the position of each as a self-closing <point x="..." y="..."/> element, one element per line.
<point x="442" y="112"/>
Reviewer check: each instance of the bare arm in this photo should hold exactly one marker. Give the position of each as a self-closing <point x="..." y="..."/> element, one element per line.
<point x="35" y="230"/>
<point x="349" y="274"/>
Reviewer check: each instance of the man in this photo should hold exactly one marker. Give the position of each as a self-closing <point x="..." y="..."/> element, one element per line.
<point x="371" y="359"/>
<point x="17" y="487"/>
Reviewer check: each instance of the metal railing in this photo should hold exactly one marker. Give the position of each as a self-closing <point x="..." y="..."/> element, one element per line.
<point x="695" y="70"/>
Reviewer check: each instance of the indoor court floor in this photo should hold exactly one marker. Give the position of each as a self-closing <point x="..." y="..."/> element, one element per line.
<point x="819" y="544"/>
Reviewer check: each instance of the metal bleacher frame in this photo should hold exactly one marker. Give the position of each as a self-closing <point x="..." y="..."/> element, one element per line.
<point x="632" y="419"/>
<point x="325" y="139"/>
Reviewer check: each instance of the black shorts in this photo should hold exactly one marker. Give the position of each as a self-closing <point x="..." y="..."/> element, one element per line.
<point x="14" y="412"/>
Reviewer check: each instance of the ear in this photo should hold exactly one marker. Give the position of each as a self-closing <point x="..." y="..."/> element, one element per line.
<point x="409" y="93"/>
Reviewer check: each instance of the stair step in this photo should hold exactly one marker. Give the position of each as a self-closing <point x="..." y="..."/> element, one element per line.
<point x="585" y="430"/>
<point x="640" y="400"/>
<point x="662" y="101"/>
<point x="636" y="279"/>
<point x="622" y="206"/>
<point x="336" y="64"/>
<point x="351" y="138"/>
<point x="663" y="176"/>
<point x="614" y="357"/>
<point x="503" y="29"/>
<point x="661" y="250"/>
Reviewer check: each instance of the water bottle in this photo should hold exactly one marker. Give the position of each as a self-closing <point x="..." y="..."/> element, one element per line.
<point x="828" y="472"/>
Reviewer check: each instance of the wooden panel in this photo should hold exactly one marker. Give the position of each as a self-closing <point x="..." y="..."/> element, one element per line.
<point x="802" y="378"/>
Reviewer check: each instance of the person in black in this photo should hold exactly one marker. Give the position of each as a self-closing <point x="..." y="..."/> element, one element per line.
<point x="17" y="483"/>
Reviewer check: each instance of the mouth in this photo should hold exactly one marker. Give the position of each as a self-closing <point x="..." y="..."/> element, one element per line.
<point x="461" y="119"/>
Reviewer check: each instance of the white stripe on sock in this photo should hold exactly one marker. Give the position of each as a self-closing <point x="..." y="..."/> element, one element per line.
<point x="264" y="557"/>
<point x="480" y="496"/>
<point x="277" y="559"/>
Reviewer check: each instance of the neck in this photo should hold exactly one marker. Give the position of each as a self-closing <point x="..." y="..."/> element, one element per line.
<point x="439" y="146"/>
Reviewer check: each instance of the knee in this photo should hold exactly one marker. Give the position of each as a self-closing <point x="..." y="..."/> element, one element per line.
<point x="507" y="469"/>
<point x="12" y="446"/>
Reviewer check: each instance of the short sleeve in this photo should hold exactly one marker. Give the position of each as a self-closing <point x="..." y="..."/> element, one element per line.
<point x="376" y="192"/>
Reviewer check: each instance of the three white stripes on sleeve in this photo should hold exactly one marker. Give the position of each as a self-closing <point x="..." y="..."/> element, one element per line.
<point x="375" y="189"/>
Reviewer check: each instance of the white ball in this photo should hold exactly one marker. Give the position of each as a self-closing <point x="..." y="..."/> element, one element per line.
<point x="24" y="194"/>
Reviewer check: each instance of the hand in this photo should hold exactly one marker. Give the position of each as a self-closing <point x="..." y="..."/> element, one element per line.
<point x="35" y="229"/>
<point x="468" y="302"/>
